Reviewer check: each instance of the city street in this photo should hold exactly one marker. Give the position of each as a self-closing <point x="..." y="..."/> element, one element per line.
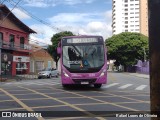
<point x="123" y="93"/>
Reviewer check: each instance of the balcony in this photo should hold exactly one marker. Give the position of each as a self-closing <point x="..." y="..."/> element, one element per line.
<point x="15" y="47"/>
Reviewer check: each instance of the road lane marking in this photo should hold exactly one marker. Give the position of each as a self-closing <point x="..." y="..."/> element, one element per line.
<point x="68" y="104"/>
<point x="110" y="85"/>
<point x="123" y="97"/>
<point x="11" y="109"/>
<point x="35" y="83"/>
<point x="141" y="87"/>
<point x="125" y="86"/>
<point x="20" y="102"/>
<point x="98" y="100"/>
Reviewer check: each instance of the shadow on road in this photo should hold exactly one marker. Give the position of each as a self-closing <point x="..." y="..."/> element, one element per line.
<point x="82" y="88"/>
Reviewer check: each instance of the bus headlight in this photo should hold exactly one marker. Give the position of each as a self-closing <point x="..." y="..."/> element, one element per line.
<point x="65" y="74"/>
<point x="103" y="72"/>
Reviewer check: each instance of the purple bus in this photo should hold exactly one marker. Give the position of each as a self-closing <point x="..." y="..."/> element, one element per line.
<point x="83" y="60"/>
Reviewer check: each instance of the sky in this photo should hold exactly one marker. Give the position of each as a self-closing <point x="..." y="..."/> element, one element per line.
<point x="81" y="17"/>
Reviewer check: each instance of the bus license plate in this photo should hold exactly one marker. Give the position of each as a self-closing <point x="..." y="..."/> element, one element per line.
<point x="84" y="83"/>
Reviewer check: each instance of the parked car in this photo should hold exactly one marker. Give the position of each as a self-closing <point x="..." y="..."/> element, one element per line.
<point x="48" y="73"/>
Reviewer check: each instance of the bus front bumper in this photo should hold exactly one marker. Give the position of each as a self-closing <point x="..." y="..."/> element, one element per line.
<point x="87" y="80"/>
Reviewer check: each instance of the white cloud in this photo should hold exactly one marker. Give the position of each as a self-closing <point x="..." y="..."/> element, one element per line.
<point x="78" y="23"/>
<point x="74" y="17"/>
<point x="44" y="33"/>
<point x="20" y="14"/>
<point x="46" y="3"/>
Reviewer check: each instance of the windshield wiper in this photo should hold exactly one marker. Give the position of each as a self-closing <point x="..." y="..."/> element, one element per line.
<point x="77" y="50"/>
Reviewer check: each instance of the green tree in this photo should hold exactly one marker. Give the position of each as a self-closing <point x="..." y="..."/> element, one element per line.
<point x="126" y="48"/>
<point x="52" y="49"/>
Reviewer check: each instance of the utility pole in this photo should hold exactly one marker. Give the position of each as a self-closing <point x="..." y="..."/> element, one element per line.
<point x="0" y="55"/>
<point x="154" y="47"/>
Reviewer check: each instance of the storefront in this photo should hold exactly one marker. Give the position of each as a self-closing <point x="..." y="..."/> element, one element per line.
<point x="6" y="65"/>
<point x="21" y="64"/>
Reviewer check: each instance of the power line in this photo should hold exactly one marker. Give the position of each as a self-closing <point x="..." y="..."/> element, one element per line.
<point x="9" y="12"/>
<point x="37" y="42"/>
<point x="36" y="18"/>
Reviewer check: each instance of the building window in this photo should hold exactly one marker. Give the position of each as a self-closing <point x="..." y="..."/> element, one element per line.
<point x="1" y="36"/>
<point x="49" y="64"/>
<point x="1" y="39"/>
<point x="126" y="18"/>
<point x="126" y="26"/>
<point x="22" y="42"/>
<point x="11" y="40"/>
<point x="125" y="5"/>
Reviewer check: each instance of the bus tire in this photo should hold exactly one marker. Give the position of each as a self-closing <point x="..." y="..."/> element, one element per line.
<point x="97" y="85"/>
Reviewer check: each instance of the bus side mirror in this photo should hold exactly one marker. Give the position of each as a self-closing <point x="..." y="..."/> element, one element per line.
<point x="58" y="50"/>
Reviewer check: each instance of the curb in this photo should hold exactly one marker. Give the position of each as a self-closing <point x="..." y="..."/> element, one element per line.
<point x="139" y="75"/>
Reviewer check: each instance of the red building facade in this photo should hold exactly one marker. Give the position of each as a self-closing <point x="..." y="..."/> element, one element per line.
<point x="14" y="44"/>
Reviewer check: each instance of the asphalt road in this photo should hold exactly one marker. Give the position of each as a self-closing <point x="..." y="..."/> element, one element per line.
<point x="122" y="97"/>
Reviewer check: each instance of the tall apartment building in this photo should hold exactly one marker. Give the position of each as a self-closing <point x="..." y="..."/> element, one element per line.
<point x="130" y="16"/>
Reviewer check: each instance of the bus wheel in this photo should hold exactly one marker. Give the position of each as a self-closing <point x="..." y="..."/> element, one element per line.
<point x="97" y="85"/>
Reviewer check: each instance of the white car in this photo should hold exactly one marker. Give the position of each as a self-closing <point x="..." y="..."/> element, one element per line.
<point x="48" y="73"/>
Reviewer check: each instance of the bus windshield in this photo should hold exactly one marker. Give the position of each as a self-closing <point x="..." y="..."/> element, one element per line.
<point x="83" y="58"/>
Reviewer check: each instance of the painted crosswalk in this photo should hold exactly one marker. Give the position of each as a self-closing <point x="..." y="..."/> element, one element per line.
<point x="110" y="85"/>
<point x="125" y="86"/>
<point x="119" y="86"/>
<point x="141" y="87"/>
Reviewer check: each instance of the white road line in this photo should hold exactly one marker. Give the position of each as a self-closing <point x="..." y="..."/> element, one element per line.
<point x="41" y="83"/>
<point x="110" y="85"/>
<point x="49" y="84"/>
<point x="125" y="86"/>
<point x="141" y="87"/>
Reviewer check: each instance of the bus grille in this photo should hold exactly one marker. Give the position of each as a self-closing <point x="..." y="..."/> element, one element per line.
<point x="78" y="81"/>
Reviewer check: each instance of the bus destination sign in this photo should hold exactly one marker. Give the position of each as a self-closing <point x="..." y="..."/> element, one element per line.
<point x="82" y="40"/>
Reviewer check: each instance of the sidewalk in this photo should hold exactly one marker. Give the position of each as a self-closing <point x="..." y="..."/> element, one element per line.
<point x="140" y="75"/>
<point x="17" y="78"/>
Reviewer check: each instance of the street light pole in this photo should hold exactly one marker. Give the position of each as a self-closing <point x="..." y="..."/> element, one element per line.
<point x="154" y="43"/>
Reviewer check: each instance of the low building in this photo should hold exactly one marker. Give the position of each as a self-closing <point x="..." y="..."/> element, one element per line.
<point x="14" y="44"/>
<point x="40" y="59"/>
